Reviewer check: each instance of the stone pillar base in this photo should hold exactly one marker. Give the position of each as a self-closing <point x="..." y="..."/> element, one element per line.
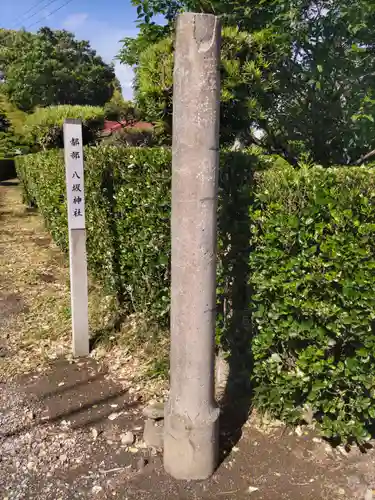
<point x="190" y="448"/>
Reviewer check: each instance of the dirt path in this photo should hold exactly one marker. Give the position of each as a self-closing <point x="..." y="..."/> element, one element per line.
<point x="64" y="422"/>
<point x="35" y="324"/>
<point x="34" y="300"/>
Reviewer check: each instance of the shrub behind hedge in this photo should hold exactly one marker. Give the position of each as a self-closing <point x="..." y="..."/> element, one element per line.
<point x="313" y="276"/>
<point x="44" y="127"/>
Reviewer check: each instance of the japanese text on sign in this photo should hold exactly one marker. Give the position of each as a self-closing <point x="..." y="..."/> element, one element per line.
<point x="74" y="174"/>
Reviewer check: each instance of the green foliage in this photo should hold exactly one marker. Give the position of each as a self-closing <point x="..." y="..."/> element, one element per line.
<point x="236" y="11"/>
<point x="117" y="109"/>
<point x="4" y="134"/>
<point x="10" y="145"/>
<point x="14" y="116"/>
<point x="128" y="212"/>
<point x="4" y="122"/>
<point x="149" y="34"/>
<point x="246" y="80"/>
<point x="301" y="73"/>
<point x="235" y="194"/>
<point x="44" y="128"/>
<point x="153" y="85"/>
<point x="312" y="274"/>
<point x="51" y="68"/>
<point x="11" y="141"/>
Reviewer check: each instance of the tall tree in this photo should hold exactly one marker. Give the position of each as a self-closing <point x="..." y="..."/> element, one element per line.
<point x="314" y="91"/>
<point x="246" y="82"/>
<point x="11" y="140"/>
<point x="51" y="68"/>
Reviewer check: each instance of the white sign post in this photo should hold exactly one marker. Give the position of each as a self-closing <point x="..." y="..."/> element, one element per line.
<point x="77" y="235"/>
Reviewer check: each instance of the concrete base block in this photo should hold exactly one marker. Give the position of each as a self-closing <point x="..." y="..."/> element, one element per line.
<point x="191" y="448"/>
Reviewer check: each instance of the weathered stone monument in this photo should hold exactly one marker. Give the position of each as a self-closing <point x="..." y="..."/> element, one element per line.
<point x="191" y="414"/>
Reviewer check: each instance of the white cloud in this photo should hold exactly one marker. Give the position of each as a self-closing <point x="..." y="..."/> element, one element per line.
<point x="125" y="74"/>
<point x="107" y="43"/>
<point x="74" y="21"/>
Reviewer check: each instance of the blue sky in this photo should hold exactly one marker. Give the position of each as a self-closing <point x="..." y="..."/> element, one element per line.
<point x="103" y="23"/>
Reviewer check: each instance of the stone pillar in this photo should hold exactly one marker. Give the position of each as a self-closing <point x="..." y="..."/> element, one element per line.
<point x="191" y="414"/>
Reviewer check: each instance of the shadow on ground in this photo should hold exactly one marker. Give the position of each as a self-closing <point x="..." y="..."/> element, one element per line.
<point x="79" y="392"/>
<point x="12" y="182"/>
<point x="71" y="447"/>
<point x="234" y="312"/>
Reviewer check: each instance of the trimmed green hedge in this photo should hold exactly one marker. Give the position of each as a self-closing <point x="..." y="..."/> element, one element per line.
<point x="7" y="169"/>
<point x="127" y="217"/>
<point x="296" y="269"/>
<point x="313" y="275"/>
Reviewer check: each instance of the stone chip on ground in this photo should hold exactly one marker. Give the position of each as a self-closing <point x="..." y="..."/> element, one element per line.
<point x="127" y="438"/>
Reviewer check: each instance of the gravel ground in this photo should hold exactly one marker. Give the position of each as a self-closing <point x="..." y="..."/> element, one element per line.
<point x="52" y="451"/>
<point x="64" y="435"/>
